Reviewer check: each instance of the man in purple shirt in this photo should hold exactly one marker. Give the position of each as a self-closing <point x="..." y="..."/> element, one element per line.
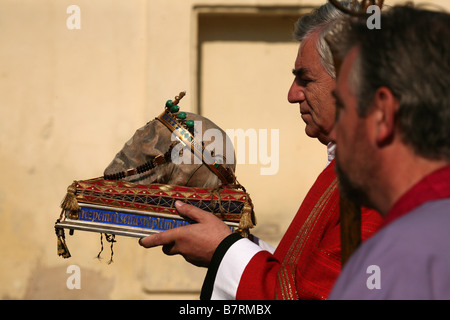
<point x="392" y="133"/>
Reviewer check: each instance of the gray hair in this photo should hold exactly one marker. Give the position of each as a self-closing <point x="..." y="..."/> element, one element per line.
<point x="321" y="20"/>
<point x="410" y="55"/>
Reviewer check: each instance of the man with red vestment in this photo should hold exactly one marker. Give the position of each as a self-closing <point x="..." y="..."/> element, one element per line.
<point x="307" y="261"/>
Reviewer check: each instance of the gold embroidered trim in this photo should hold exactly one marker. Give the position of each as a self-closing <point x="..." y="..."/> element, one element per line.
<point x="297" y="246"/>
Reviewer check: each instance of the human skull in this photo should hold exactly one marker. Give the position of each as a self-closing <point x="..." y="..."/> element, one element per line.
<point x="155" y="139"/>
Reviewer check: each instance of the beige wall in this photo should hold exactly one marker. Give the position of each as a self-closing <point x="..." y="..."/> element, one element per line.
<point x="69" y="99"/>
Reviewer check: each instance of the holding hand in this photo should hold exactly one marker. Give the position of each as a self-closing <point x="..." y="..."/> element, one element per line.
<point x="196" y="242"/>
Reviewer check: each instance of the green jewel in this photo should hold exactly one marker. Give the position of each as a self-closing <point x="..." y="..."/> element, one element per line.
<point x="181" y="115"/>
<point x="169" y="103"/>
<point x="174" y="109"/>
<point x="190" y="123"/>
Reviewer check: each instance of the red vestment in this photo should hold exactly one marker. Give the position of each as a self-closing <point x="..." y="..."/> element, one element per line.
<point x="306" y="263"/>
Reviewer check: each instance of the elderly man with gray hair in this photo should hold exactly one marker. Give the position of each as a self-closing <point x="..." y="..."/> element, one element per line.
<point x="307" y="261"/>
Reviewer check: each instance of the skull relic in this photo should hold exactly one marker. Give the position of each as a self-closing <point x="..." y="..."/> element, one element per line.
<point x="181" y="166"/>
<point x="174" y="151"/>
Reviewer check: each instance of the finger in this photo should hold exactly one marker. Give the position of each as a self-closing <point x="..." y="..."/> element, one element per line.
<point x="159" y="239"/>
<point x="169" y="249"/>
<point x="191" y="212"/>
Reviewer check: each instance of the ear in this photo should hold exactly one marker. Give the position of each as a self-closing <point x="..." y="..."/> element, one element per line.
<point x="385" y="109"/>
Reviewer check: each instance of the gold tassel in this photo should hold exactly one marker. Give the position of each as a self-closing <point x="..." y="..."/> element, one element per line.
<point x="62" y="248"/>
<point x="70" y="202"/>
<point x="248" y="219"/>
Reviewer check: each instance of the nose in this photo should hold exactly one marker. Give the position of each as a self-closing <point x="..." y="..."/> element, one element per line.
<point x="296" y="93"/>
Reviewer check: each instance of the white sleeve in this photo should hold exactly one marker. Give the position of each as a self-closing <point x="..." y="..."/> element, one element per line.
<point x="264" y="245"/>
<point x="231" y="269"/>
<point x="227" y="266"/>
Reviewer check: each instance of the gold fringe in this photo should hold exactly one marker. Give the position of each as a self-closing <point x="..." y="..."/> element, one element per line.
<point x="62" y="248"/>
<point x="248" y="219"/>
<point x="70" y="202"/>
